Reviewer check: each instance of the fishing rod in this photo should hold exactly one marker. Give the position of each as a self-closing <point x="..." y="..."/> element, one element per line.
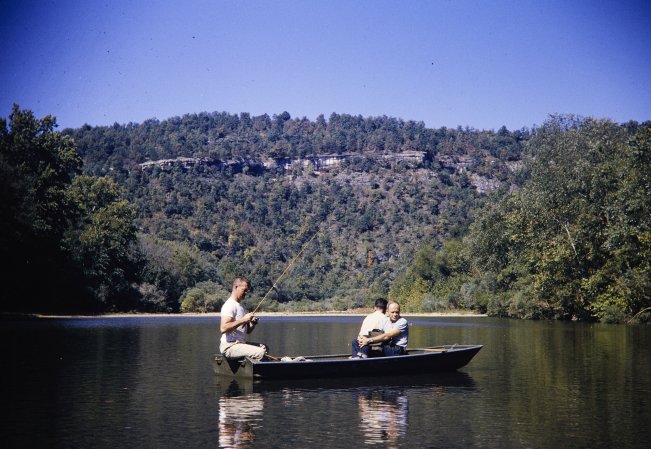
<point x="291" y="263"/>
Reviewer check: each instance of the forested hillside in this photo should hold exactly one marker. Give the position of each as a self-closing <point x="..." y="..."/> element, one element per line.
<point x="255" y="196"/>
<point x="545" y="223"/>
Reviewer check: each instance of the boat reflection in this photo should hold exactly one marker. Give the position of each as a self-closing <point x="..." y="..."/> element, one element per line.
<point x="382" y="404"/>
<point x="240" y="414"/>
<point x="383" y="416"/>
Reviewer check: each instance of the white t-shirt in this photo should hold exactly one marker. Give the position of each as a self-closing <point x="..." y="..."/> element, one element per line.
<point x="234" y="310"/>
<point x="402" y="338"/>
<point x="376" y="320"/>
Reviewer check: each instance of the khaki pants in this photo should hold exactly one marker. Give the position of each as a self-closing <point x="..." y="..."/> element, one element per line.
<point x="254" y="351"/>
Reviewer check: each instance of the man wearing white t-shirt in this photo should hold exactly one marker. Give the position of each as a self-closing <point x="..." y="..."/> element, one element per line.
<point x="376" y="321"/>
<point x="236" y="324"/>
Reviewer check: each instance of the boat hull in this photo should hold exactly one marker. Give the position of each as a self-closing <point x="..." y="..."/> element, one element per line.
<point x="419" y="361"/>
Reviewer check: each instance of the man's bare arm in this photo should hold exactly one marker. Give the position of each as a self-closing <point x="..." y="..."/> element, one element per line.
<point x="378" y="338"/>
<point x="228" y="323"/>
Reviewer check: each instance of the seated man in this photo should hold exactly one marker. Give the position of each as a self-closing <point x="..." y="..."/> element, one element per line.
<point x="395" y="336"/>
<point x="376" y="320"/>
<point x="236" y="324"/>
<point x="374" y="323"/>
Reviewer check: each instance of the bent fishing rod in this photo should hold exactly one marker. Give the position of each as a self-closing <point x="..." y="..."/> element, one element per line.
<point x="291" y="263"/>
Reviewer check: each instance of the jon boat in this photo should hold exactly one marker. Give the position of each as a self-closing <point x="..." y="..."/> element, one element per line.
<point x="417" y="361"/>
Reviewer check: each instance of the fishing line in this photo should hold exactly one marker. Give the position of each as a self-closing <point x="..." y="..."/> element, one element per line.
<point x="291" y="263"/>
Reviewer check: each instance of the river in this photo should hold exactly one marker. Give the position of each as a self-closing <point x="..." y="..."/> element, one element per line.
<point x="147" y="382"/>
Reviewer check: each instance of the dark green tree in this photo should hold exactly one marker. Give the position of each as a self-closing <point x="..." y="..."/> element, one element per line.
<point x="103" y="241"/>
<point x="37" y="165"/>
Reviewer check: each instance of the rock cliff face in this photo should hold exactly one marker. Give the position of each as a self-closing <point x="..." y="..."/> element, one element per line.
<point x="326" y="162"/>
<point x="188" y="162"/>
<point x="484" y="184"/>
<point x="319" y="162"/>
<point x="183" y="161"/>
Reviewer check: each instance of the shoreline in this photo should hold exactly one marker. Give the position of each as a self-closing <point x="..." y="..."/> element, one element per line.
<point x="356" y="313"/>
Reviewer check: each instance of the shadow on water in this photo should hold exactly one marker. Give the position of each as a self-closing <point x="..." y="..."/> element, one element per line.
<point x="232" y="386"/>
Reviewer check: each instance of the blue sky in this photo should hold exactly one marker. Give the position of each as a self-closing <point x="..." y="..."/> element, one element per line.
<point x="481" y="64"/>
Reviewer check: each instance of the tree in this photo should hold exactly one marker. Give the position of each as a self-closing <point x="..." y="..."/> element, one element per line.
<point x="103" y="240"/>
<point x="37" y="165"/>
<point x="574" y="241"/>
<point x="622" y="287"/>
<point x="204" y="297"/>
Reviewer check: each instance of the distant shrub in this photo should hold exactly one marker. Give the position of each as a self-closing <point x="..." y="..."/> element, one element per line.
<point x="204" y="297"/>
<point x="152" y="299"/>
<point x="497" y="305"/>
<point x="610" y="313"/>
<point x="432" y="303"/>
<point x="523" y="306"/>
<point x="304" y="305"/>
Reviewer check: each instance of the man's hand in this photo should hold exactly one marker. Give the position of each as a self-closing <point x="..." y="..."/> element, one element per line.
<point x="253" y="320"/>
<point x="228" y="323"/>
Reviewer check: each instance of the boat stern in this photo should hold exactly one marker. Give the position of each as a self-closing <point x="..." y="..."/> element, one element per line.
<point x="233" y="367"/>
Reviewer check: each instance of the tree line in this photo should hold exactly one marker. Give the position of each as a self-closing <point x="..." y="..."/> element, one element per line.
<point x="573" y="242"/>
<point x="565" y="236"/>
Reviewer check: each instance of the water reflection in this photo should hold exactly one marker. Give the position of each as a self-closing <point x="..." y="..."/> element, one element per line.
<point x="250" y="413"/>
<point x="240" y="415"/>
<point x="383" y="415"/>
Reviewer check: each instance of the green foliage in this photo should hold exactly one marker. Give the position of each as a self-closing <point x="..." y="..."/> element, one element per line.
<point x="434" y="280"/>
<point x="567" y="235"/>
<point x="152" y="299"/>
<point x="36" y="167"/>
<point x="69" y="237"/>
<point x="204" y="297"/>
<point x="175" y="268"/>
<point x="574" y="241"/>
<point x="306" y="305"/>
<point x="370" y="213"/>
<point x="102" y="240"/>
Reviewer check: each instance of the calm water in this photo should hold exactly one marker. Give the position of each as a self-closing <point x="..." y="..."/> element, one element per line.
<point x="148" y="383"/>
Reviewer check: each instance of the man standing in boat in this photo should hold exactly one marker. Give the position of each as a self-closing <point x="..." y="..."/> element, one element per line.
<point x="236" y="324"/>
<point x="394" y="339"/>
